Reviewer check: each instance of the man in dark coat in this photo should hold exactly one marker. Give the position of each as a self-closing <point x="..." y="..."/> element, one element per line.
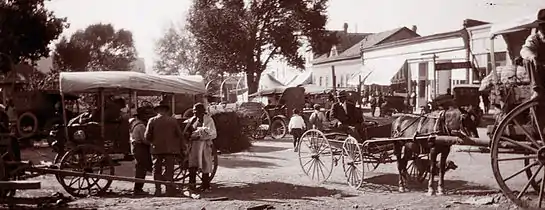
<point x="349" y="117"/>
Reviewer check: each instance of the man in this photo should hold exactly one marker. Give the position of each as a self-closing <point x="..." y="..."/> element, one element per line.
<point x="165" y="136"/>
<point x="349" y="117"/>
<point x="140" y="147"/>
<point x="202" y="132"/>
<point x="317" y="118"/>
<point x="533" y="53"/>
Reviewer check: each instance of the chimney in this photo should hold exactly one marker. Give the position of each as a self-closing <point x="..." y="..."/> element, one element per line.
<point x="345" y="26"/>
<point x="414" y="28"/>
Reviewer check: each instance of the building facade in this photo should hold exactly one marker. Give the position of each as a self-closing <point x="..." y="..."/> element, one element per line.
<point x="345" y="62"/>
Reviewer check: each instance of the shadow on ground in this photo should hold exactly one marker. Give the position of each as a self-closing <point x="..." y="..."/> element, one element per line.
<point x="274" y="190"/>
<point x="240" y="162"/>
<point x="389" y="182"/>
<point x="265" y="149"/>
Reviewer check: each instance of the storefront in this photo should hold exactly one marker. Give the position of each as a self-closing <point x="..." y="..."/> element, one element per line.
<point x="412" y="62"/>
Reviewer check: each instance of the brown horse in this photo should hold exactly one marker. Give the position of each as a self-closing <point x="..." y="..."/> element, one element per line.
<point x="438" y="122"/>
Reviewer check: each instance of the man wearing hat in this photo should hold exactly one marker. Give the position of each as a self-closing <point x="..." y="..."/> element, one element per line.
<point x="140" y="146"/>
<point x="202" y="130"/>
<point x="533" y="52"/>
<point x="165" y="136"/>
<point x="348" y="116"/>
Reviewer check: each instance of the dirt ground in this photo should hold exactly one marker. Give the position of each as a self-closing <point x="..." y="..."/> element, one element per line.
<point x="270" y="174"/>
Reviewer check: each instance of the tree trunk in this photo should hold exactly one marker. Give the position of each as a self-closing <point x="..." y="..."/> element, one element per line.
<point x="252" y="82"/>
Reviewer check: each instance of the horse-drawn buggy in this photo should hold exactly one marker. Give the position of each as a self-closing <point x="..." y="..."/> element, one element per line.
<point x="277" y="112"/>
<point x="516" y="143"/>
<point x="394" y="104"/>
<point x="89" y="146"/>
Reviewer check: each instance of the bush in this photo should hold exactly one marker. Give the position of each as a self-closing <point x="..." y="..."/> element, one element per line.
<point x="231" y="137"/>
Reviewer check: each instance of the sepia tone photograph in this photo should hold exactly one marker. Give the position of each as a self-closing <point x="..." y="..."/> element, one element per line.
<point x="272" y="104"/>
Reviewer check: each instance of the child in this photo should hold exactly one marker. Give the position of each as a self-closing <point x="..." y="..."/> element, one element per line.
<point x="296" y="127"/>
<point x="317" y="118"/>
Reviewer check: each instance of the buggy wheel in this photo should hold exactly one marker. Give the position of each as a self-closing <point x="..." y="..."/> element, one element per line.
<point x="262" y="126"/>
<point x="88" y="159"/>
<point x="352" y="159"/>
<point x="536" y="182"/>
<point x="315" y="155"/>
<point x="278" y="129"/>
<point x="373" y="156"/>
<point x="521" y="133"/>
<point x="181" y="169"/>
<point x="417" y="170"/>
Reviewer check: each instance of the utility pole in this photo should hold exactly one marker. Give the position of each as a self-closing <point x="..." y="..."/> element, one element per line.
<point x="334" y="78"/>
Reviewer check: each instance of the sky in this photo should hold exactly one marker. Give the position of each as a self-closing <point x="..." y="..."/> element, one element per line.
<point x="149" y="19"/>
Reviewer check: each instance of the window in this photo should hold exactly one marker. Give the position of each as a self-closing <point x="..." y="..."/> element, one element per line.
<point x="327" y="81"/>
<point x="422" y="89"/>
<point x="500" y="57"/>
<point x="320" y="81"/>
<point x="423" y="69"/>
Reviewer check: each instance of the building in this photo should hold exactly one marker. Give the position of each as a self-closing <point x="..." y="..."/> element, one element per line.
<point x="344" y="59"/>
<point x="412" y="63"/>
<point x="480" y="49"/>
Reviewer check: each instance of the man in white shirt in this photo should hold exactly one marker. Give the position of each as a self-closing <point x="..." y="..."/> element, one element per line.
<point x="202" y="131"/>
<point x="141" y="148"/>
<point x="296" y="127"/>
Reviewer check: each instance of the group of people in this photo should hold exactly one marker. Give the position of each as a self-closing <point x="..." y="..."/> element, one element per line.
<point x="343" y="115"/>
<point x="157" y="140"/>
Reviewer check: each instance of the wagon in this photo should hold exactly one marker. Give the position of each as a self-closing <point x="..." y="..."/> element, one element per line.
<point x="516" y="143"/>
<point x="88" y="151"/>
<point x="279" y="111"/>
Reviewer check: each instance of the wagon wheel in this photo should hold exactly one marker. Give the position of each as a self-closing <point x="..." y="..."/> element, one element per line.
<point x="263" y="125"/>
<point x="88" y="159"/>
<point x="417" y="170"/>
<point x="181" y="169"/>
<point x="372" y="156"/>
<point x="314" y="155"/>
<point x="278" y="129"/>
<point x="528" y="146"/>
<point x="352" y="159"/>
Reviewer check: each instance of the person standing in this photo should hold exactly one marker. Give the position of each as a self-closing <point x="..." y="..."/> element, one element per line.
<point x="413" y="100"/>
<point x="296" y="127"/>
<point x="486" y="101"/>
<point x="202" y="131"/>
<point x="141" y="148"/>
<point x="317" y="118"/>
<point x="165" y="136"/>
<point x="534" y="57"/>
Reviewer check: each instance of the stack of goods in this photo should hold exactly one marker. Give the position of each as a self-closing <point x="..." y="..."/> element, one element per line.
<point x="510" y="87"/>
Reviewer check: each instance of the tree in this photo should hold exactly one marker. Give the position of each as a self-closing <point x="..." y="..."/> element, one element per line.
<point x="97" y="48"/>
<point x="243" y="36"/>
<point x="177" y="53"/>
<point x="26" y="30"/>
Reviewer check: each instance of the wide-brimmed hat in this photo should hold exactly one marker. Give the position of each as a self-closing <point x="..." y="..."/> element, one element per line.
<point x="540" y="17"/>
<point x="341" y="93"/>
<point x="145" y="111"/>
<point x="199" y="107"/>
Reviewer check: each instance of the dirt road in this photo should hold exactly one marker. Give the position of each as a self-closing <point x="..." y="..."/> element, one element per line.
<point x="269" y="173"/>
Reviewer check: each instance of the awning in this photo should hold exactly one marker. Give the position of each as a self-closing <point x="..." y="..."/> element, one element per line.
<point x="355" y="78"/>
<point x="267" y="81"/>
<point x="301" y="79"/>
<point x="401" y="76"/>
<point x="383" y="69"/>
<point x="515" y="25"/>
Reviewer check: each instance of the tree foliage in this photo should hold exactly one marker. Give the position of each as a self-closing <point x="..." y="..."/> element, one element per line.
<point x="97" y="48"/>
<point x="243" y="36"/>
<point x="177" y="53"/>
<point x="26" y="30"/>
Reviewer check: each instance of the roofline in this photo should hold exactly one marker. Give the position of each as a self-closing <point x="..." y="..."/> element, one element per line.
<point x="450" y="34"/>
<point x="350" y="57"/>
<point x="480" y="27"/>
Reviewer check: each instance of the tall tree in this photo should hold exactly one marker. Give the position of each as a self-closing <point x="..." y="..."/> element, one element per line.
<point x="26" y="30"/>
<point x="177" y="52"/>
<point x="244" y="35"/>
<point x="97" y="48"/>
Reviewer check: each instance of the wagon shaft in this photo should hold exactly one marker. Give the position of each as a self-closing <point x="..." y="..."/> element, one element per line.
<point x="99" y="176"/>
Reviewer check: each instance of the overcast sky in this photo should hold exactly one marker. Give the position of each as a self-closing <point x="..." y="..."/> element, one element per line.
<point x="148" y="19"/>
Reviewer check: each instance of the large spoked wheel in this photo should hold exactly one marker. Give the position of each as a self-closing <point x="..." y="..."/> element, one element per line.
<point x="278" y="128"/>
<point x="263" y="125"/>
<point x="417" y="170"/>
<point x="352" y="159"/>
<point x="521" y="134"/>
<point x="315" y="155"/>
<point x="181" y="169"/>
<point x="89" y="159"/>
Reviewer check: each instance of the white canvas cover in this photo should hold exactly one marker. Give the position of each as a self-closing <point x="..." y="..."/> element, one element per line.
<point x="383" y="69"/>
<point x="518" y="24"/>
<point x="73" y="82"/>
<point x="303" y="78"/>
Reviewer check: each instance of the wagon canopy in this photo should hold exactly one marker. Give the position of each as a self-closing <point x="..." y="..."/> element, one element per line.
<point x="74" y="82"/>
<point x="269" y="91"/>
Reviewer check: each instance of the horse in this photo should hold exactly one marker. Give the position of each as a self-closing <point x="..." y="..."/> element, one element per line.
<point x="445" y="122"/>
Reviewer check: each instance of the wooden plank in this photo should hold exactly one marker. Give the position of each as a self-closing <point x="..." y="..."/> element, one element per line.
<point x="19" y="185"/>
<point x="99" y="176"/>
